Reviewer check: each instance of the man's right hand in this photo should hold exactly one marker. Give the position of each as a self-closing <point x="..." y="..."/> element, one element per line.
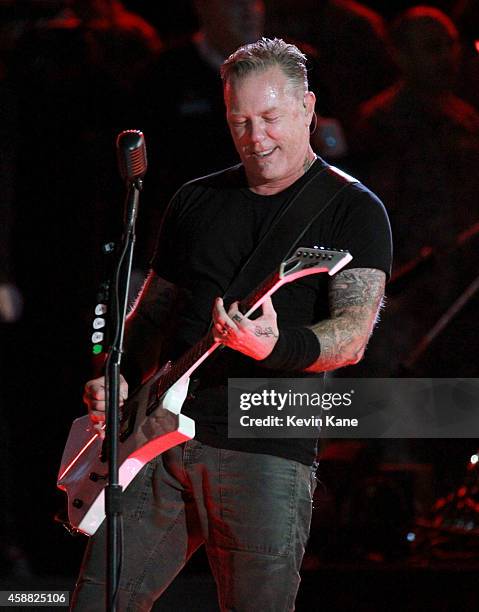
<point x="94" y="398"/>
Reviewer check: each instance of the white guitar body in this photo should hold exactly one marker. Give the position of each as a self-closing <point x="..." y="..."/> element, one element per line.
<point x="152" y="421"/>
<point x="161" y="430"/>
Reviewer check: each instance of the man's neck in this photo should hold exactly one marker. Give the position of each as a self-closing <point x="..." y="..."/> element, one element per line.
<point x="274" y="187"/>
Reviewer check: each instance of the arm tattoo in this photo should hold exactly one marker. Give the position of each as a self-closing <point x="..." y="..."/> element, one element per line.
<point x="355" y="297"/>
<point x="148" y="322"/>
<point x="156" y="300"/>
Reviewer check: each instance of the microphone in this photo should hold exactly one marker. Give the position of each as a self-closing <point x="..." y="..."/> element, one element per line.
<point x="131" y="152"/>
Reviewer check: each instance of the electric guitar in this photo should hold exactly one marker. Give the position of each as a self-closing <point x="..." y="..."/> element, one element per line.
<point x="151" y="420"/>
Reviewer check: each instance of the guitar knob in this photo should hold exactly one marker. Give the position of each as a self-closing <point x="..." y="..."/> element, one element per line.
<point x="77" y="503"/>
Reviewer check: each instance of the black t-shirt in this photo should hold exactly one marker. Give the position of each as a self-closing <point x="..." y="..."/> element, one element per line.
<point x="210" y="229"/>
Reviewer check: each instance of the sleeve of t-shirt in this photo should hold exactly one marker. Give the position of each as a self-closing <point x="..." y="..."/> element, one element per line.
<point x="362" y="227"/>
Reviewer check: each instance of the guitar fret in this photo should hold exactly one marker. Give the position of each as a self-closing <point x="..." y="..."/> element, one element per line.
<point x="258" y="293"/>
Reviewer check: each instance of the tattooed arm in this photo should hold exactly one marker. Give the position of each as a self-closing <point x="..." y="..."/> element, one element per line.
<point x="354" y="300"/>
<point x="355" y="297"/>
<point x="147" y="323"/>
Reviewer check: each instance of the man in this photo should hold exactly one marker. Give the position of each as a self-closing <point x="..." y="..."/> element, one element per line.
<point x="350" y="40"/>
<point x="248" y="501"/>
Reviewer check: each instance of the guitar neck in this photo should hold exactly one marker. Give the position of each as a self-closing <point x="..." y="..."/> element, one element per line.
<point x="193" y="358"/>
<point x="258" y="295"/>
<point x="304" y="262"/>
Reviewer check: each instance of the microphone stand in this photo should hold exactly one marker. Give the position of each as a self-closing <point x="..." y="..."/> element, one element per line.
<point x="113" y="491"/>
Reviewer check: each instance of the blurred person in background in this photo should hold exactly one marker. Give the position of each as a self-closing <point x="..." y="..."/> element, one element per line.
<point x="121" y="42"/>
<point x="466" y="16"/>
<point x="181" y="105"/>
<point x="353" y="62"/>
<point x="418" y="146"/>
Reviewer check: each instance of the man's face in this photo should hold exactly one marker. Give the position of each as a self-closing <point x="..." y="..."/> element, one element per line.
<point x="269" y="122"/>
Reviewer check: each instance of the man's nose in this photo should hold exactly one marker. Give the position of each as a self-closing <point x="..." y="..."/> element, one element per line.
<point x="257" y="132"/>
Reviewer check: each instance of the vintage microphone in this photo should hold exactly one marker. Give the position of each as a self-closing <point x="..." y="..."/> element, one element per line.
<point x="132" y="162"/>
<point x="131" y="152"/>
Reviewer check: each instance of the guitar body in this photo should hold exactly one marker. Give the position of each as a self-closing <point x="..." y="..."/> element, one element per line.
<point x="152" y="427"/>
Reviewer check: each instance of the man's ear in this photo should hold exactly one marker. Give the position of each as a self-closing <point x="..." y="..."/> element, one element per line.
<point x="309" y="102"/>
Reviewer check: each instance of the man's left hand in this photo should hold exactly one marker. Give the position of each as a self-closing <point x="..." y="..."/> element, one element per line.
<point x="253" y="338"/>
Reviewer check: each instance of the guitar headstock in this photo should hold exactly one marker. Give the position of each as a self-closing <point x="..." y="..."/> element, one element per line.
<point x="307" y="261"/>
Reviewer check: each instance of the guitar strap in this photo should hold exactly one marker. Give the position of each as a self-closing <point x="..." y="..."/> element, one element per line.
<point x="314" y="197"/>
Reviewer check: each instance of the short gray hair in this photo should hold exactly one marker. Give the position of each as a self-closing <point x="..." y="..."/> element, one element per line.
<point x="263" y="54"/>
